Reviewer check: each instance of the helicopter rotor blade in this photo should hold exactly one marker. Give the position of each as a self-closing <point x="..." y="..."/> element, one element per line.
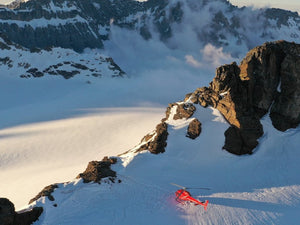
<point x="178" y="186"/>
<point x="203" y="188"/>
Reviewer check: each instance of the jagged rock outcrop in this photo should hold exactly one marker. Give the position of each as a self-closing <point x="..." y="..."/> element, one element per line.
<point x="46" y="192"/>
<point x="96" y="170"/>
<point x="155" y="142"/>
<point x="8" y="216"/>
<point x="268" y="78"/>
<point x="183" y="110"/>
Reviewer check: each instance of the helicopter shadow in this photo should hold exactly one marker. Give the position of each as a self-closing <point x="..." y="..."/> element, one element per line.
<point x="247" y="204"/>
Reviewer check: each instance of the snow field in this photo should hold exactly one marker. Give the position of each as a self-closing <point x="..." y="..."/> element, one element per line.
<point x="244" y="189"/>
<point x="50" y="136"/>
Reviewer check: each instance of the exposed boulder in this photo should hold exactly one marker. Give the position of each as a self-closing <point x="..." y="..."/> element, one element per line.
<point x="96" y="170"/>
<point x="194" y="129"/>
<point x="8" y="216"/>
<point x="241" y="141"/>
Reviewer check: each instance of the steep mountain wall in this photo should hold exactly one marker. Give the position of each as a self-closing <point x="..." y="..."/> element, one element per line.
<point x="80" y="24"/>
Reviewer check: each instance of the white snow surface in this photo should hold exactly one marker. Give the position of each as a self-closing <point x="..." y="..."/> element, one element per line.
<point x="259" y="189"/>
<point x="51" y="128"/>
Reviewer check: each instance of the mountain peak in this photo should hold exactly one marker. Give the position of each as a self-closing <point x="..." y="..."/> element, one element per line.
<point x="46" y="23"/>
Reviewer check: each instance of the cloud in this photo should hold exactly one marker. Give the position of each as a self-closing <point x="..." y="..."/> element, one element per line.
<point x="215" y="56"/>
<point x="192" y="61"/>
<point x="210" y="57"/>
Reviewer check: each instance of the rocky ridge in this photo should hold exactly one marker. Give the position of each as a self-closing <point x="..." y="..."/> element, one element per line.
<point x="80" y="24"/>
<point x="16" y="60"/>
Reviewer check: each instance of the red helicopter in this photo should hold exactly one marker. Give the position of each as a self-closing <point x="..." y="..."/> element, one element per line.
<point x="182" y="195"/>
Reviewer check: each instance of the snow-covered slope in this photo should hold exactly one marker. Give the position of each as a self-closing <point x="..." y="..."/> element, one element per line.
<point x="51" y="128"/>
<point x="16" y="61"/>
<point x="259" y="189"/>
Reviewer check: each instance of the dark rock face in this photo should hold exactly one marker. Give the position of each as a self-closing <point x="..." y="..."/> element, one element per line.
<point x="7" y="212"/>
<point x="96" y="170"/>
<point x="285" y="112"/>
<point x="194" y="129"/>
<point x="8" y="216"/>
<point x="69" y="33"/>
<point x="46" y="192"/>
<point x="245" y="93"/>
<point x="28" y="217"/>
<point x="80" y="24"/>
<point x="241" y="141"/>
<point x="156" y="142"/>
<point x="79" y="21"/>
<point x="273" y="73"/>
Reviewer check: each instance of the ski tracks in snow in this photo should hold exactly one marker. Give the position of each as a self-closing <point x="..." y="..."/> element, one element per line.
<point x="264" y="206"/>
<point x="129" y="202"/>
